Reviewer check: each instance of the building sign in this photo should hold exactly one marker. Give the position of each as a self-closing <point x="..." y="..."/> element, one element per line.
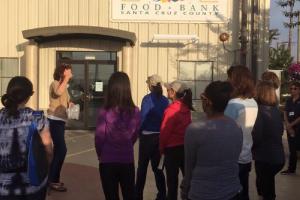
<point x="170" y="10"/>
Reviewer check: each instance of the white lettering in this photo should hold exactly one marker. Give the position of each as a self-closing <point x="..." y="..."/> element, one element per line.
<point x="133" y="6"/>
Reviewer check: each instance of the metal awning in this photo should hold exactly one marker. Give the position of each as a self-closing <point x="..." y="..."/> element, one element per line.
<point x="53" y="33"/>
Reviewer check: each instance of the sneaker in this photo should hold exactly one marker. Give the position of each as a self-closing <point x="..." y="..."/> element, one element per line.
<point x="287" y="172"/>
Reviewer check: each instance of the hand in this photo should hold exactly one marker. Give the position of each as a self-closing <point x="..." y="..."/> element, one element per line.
<point x="68" y="74"/>
<point x="71" y="104"/>
<point x="291" y="132"/>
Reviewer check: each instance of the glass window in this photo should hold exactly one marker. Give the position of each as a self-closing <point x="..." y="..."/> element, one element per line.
<point x="88" y="55"/>
<point x="197" y="75"/>
<point x="9" y="67"/>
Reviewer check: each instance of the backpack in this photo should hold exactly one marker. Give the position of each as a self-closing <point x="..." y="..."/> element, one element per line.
<point x="37" y="164"/>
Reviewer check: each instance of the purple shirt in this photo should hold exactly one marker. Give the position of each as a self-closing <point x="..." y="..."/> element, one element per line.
<point x="116" y="134"/>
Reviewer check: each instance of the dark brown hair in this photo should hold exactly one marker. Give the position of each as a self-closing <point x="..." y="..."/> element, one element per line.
<point x="19" y="90"/>
<point x="157" y="90"/>
<point x="242" y="81"/>
<point x="266" y="94"/>
<point x="295" y="83"/>
<point x="59" y="71"/>
<point x="186" y="97"/>
<point x="118" y="94"/>
<point x="272" y="78"/>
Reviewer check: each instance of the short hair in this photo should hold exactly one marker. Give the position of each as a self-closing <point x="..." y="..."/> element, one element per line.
<point x="272" y="78"/>
<point x="59" y="71"/>
<point x="242" y="81"/>
<point x="219" y="93"/>
<point x="295" y="83"/>
<point x="266" y="94"/>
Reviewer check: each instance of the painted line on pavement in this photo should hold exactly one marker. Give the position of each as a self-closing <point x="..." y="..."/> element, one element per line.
<point x="80" y="152"/>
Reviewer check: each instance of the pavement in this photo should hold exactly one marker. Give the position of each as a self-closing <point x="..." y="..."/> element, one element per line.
<point x="80" y="174"/>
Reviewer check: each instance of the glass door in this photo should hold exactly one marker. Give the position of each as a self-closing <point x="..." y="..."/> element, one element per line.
<point x="98" y="75"/>
<point x="87" y="87"/>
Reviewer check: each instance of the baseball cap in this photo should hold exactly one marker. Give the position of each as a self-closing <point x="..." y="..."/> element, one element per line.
<point x="153" y="80"/>
<point x="177" y="86"/>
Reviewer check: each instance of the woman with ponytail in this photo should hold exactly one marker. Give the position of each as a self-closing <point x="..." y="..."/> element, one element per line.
<point x="152" y="110"/>
<point x="15" y="120"/>
<point x="175" y="121"/>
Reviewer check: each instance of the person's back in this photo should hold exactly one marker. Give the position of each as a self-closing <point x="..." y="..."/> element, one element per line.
<point x="152" y="110"/>
<point x="267" y="144"/>
<point x="116" y="134"/>
<point x="15" y="122"/>
<point x="217" y="144"/>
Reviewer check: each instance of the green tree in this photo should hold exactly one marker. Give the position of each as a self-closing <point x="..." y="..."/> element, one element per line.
<point x="291" y="14"/>
<point x="280" y="58"/>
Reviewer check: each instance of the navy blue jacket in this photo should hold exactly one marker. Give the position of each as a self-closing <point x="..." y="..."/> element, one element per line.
<point x="152" y="112"/>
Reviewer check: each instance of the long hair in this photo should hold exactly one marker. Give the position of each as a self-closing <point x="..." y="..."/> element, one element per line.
<point x="118" y="94"/>
<point x="242" y="81"/>
<point x="266" y="94"/>
<point x="186" y="97"/>
<point x="157" y="90"/>
<point x="59" y="71"/>
<point x="19" y="90"/>
<point x="272" y="78"/>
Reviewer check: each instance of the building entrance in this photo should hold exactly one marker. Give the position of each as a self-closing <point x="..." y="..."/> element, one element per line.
<point x="91" y="71"/>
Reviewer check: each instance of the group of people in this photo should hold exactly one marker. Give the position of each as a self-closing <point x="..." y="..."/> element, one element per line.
<point x="243" y="123"/>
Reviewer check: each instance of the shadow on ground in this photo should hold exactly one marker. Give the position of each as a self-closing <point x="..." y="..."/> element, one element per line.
<point x="83" y="183"/>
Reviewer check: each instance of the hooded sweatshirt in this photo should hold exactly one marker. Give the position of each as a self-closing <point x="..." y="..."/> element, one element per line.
<point x="176" y="119"/>
<point x="116" y="134"/>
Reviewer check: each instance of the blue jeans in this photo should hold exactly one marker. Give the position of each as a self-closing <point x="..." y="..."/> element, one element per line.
<point x="57" y="130"/>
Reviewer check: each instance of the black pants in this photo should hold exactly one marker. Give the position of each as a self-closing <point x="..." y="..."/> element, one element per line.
<point x="244" y="170"/>
<point x="149" y="151"/>
<point x="174" y="160"/>
<point x="113" y="174"/>
<point x="265" y="179"/>
<point x="293" y="153"/>
<point x="40" y="195"/>
<point x="57" y="130"/>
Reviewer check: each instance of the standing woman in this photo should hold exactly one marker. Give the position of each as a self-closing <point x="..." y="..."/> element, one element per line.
<point x="212" y="147"/>
<point x="267" y="140"/>
<point x="117" y="128"/>
<point x="175" y="121"/>
<point x="57" y="115"/>
<point x="153" y="107"/>
<point x="15" y="120"/>
<point x="243" y="109"/>
<point x="292" y="123"/>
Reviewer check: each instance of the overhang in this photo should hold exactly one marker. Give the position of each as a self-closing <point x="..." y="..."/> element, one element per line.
<point x="53" y="33"/>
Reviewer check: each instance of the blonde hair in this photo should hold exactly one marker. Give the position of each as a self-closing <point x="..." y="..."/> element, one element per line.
<point x="272" y="78"/>
<point x="266" y="93"/>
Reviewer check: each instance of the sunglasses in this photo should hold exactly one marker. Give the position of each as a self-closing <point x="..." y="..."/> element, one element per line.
<point x="294" y="88"/>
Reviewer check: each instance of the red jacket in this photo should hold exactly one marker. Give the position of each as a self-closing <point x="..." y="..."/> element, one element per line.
<point x="176" y="118"/>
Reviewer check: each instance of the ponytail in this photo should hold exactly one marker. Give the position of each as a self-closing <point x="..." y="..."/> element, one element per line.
<point x="187" y="98"/>
<point x="11" y="105"/>
<point x="157" y="90"/>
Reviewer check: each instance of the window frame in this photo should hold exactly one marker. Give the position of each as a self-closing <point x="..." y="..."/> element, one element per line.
<point x="195" y="73"/>
<point x="9" y="77"/>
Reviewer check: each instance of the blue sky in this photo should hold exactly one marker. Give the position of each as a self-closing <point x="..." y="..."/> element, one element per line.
<point x="276" y="21"/>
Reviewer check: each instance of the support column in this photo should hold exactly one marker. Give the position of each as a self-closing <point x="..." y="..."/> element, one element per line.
<point x="127" y="59"/>
<point x="31" y="71"/>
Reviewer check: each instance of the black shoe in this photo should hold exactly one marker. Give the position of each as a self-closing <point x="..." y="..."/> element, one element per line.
<point x="287" y="172"/>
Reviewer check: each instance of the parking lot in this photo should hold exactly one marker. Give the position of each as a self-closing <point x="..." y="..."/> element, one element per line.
<point x="80" y="174"/>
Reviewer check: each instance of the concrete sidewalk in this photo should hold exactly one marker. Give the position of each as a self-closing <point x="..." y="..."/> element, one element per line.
<point x="81" y="176"/>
